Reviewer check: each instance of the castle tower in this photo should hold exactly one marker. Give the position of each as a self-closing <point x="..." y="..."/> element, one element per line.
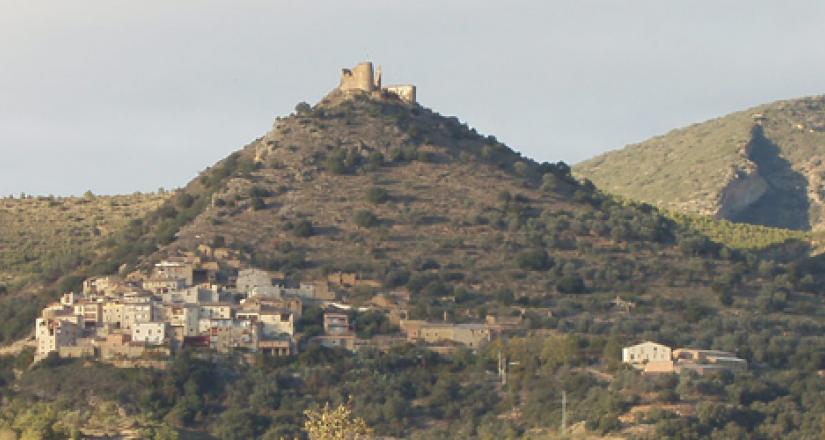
<point x="359" y="77"/>
<point x="378" y="78"/>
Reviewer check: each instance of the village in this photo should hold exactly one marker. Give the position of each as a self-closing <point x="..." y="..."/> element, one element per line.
<point x="142" y="318"/>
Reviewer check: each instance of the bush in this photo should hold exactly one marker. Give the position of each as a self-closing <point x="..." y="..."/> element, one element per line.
<point x="335" y="165"/>
<point x="377" y="195"/>
<point x="304" y="229"/>
<point x="534" y="259"/>
<point x="571" y="284"/>
<point x="258" y="203"/>
<point x="185" y="201"/>
<point x="365" y="218"/>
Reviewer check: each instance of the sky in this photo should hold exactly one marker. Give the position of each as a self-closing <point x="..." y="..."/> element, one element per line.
<point x="118" y="96"/>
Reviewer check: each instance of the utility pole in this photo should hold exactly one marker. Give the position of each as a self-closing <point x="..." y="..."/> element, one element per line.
<point x="502" y="376"/>
<point x="563" y="412"/>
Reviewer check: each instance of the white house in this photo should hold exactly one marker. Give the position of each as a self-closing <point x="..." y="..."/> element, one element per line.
<point x="640" y="354"/>
<point x="152" y="333"/>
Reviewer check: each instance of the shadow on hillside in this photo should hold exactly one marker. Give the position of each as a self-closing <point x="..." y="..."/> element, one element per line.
<point x="785" y="204"/>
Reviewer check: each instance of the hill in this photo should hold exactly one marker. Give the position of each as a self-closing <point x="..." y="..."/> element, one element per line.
<point x="44" y="238"/>
<point x="415" y="200"/>
<point x="761" y="166"/>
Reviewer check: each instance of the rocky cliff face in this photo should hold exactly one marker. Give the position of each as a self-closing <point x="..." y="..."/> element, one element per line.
<point x="744" y="190"/>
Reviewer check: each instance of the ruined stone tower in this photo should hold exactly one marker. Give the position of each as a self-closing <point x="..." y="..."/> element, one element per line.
<point x="361" y="79"/>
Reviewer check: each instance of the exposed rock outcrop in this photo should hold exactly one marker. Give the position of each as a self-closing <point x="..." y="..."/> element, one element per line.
<point x="744" y="190"/>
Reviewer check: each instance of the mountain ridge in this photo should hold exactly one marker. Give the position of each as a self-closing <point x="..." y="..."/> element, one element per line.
<point x="732" y="167"/>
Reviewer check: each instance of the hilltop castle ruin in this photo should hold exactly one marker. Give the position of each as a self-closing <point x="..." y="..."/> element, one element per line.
<point x="362" y="78"/>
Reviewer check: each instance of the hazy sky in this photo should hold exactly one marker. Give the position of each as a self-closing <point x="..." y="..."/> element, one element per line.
<point x="118" y="96"/>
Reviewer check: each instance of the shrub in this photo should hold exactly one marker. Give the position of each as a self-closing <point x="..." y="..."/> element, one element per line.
<point x="258" y="203"/>
<point x="303" y="109"/>
<point x="365" y="218"/>
<point x="571" y="284"/>
<point x="534" y="259"/>
<point x="377" y="195"/>
<point x="185" y="201"/>
<point x="304" y="229"/>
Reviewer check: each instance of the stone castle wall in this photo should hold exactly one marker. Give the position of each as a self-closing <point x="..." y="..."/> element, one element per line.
<point x="362" y="78"/>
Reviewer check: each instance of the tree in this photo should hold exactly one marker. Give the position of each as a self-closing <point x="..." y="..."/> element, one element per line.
<point x="534" y="259"/>
<point x="185" y="200"/>
<point x="218" y="241"/>
<point x="560" y="350"/>
<point x="302" y="108"/>
<point x="571" y="284"/>
<point x="335" y="424"/>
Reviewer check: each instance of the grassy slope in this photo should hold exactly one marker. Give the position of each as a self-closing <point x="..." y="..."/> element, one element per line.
<point x="686" y="169"/>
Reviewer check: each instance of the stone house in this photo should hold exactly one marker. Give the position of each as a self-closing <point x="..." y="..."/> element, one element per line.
<point x="242" y="336"/>
<point x="640" y="354"/>
<point x="275" y="347"/>
<point x="344" y="279"/>
<point x="192" y="295"/>
<point x="105" y="285"/>
<point x="184" y="318"/>
<point x="84" y="349"/>
<point x="175" y="269"/>
<point x="316" y="290"/>
<point x="91" y="311"/>
<point x="273" y="321"/>
<point x="336" y="324"/>
<point x="51" y="334"/>
<point x="215" y="311"/>
<point x="160" y="285"/>
<point x="135" y="313"/>
<point x="471" y="335"/>
<point x="120" y="345"/>
<point x="113" y="313"/>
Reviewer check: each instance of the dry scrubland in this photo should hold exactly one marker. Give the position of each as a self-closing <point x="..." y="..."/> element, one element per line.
<point x="45" y="236"/>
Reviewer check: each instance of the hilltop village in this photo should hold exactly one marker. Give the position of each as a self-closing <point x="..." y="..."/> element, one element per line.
<point x="205" y="300"/>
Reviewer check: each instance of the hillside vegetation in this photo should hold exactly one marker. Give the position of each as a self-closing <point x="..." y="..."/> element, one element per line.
<point x="42" y="237"/>
<point x="760" y="166"/>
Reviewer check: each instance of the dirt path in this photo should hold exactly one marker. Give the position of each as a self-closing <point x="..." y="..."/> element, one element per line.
<point x="17" y="346"/>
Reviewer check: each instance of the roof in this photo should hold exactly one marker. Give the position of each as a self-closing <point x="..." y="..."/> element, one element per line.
<point x="649" y="343"/>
